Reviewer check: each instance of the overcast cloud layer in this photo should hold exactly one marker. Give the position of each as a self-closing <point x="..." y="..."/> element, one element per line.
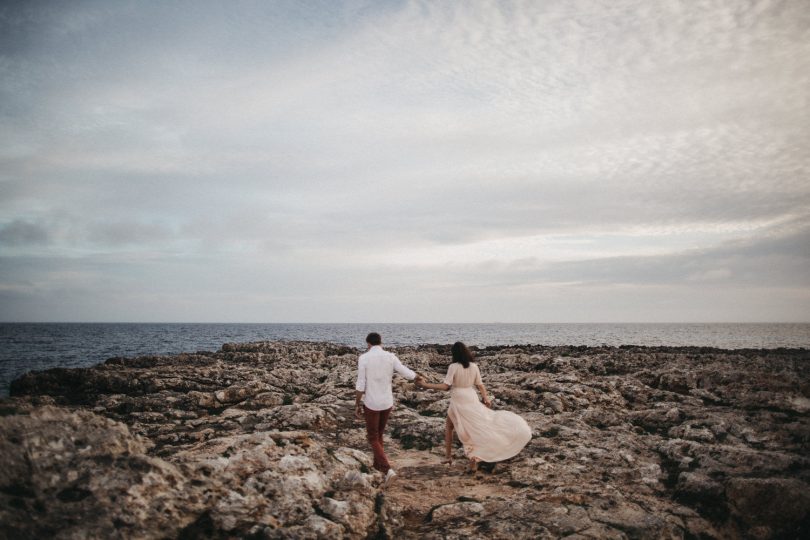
<point x="405" y="161"/>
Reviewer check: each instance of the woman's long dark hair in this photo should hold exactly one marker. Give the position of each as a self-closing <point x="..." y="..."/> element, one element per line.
<point x="462" y="354"/>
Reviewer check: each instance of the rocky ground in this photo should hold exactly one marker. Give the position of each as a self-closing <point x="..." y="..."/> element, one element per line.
<point x="258" y="441"/>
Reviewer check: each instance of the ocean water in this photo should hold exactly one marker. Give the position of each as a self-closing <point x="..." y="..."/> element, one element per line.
<point x="30" y="346"/>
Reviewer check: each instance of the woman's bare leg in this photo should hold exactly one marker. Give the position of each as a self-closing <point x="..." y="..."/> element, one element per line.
<point x="448" y="441"/>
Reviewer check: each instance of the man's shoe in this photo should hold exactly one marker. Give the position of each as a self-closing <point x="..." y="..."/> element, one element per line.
<point x="389" y="477"/>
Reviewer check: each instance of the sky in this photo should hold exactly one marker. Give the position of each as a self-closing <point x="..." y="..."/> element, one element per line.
<point x="405" y="161"/>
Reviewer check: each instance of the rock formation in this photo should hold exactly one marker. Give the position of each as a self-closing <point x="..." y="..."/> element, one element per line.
<point x="258" y="440"/>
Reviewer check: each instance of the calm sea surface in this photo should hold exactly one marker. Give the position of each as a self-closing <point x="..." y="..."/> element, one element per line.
<point x="25" y="346"/>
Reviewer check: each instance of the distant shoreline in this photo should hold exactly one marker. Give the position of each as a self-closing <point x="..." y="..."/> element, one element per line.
<point x="38" y="346"/>
<point x="753" y="323"/>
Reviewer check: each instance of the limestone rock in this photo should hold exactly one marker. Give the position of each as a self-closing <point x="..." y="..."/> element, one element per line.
<point x="78" y="475"/>
<point x="780" y="504"/>
<point x="259" y="440"/>
<point x="92" y="478"/>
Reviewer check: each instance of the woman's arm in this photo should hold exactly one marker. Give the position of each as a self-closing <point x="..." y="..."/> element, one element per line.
<point x="484" y="395"/>
<point x="440" y="386"/>
<point x="480" y="385"/>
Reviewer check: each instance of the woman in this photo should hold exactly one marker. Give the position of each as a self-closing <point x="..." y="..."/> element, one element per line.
<point x="487" y="435"/>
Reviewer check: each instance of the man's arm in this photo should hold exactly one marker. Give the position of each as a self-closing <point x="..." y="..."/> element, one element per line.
<point x="403" y="370"/>
<point x="360" y="387"/>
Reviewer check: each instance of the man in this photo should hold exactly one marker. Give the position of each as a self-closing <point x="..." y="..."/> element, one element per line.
<point x="375" y="368"/>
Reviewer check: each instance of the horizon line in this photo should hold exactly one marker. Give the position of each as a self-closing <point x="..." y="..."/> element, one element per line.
<point x="407" y="323"/>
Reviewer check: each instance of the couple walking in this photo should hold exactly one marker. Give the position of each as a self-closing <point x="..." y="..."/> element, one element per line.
<point x="487" y="435"/>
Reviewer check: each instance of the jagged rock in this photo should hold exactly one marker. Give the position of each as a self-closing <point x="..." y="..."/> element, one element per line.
<point x="206" y="400"/>
<point x="259" y="440"/>
<point x="264" y="400"/>
<point x="780" y="504"/>
<point x="92" y="478"/>
<point x="553" y="402"/>
<point x="698" y="486"/>
<point x="78" y="475"/>
<point x="417" y="431"/>
<point x="632" y="520"/>
<point x="449" y="512"/>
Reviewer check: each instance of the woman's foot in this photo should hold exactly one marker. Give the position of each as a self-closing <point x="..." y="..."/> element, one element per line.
<point x="474" y="465"/>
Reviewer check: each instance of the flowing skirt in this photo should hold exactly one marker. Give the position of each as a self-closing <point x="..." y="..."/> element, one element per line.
<point x="486" y="434"/>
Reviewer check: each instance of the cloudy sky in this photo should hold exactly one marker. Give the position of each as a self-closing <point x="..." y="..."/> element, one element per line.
<point x="541" y="161"/>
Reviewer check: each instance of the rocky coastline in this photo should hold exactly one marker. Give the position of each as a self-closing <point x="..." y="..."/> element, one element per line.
<point x="257" y="440"/>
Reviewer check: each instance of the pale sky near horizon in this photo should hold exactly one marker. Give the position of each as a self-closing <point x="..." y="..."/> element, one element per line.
<point x="540" y="161"/>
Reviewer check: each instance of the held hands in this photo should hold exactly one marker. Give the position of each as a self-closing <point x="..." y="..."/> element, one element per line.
<point x="419" y="381"/>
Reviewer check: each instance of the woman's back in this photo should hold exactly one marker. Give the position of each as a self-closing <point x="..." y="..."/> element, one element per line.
<point x="460" y="377"/>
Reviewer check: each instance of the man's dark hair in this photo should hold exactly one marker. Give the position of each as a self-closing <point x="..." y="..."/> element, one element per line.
<point x="373" y="339"/>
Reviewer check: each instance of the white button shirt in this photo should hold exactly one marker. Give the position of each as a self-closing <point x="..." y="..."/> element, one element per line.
<point x="375" y="369"/>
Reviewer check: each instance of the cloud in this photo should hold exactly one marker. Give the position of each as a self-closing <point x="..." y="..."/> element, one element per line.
<point x="776" y="257"/>
<point x="20" y="232"/>
<point x="334" y="143"/>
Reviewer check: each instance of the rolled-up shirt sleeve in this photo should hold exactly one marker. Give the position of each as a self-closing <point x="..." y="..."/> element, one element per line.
<point x="361" y="375"/>
<point x="403" y="370"/>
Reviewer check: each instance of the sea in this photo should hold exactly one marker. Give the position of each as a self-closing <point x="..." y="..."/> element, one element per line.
<point x="38" y="346"/>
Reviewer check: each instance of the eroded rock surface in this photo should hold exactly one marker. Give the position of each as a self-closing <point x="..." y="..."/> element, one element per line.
<point x="258" y="440"/>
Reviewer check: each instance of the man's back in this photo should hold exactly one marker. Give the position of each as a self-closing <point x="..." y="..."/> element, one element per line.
<point x="375" y="368"/>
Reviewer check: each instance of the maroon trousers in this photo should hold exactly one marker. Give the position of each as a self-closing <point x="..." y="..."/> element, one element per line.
<point x="375" y="426"/>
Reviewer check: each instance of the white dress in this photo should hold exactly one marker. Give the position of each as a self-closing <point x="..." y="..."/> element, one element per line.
<point x="486" y="434"/>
